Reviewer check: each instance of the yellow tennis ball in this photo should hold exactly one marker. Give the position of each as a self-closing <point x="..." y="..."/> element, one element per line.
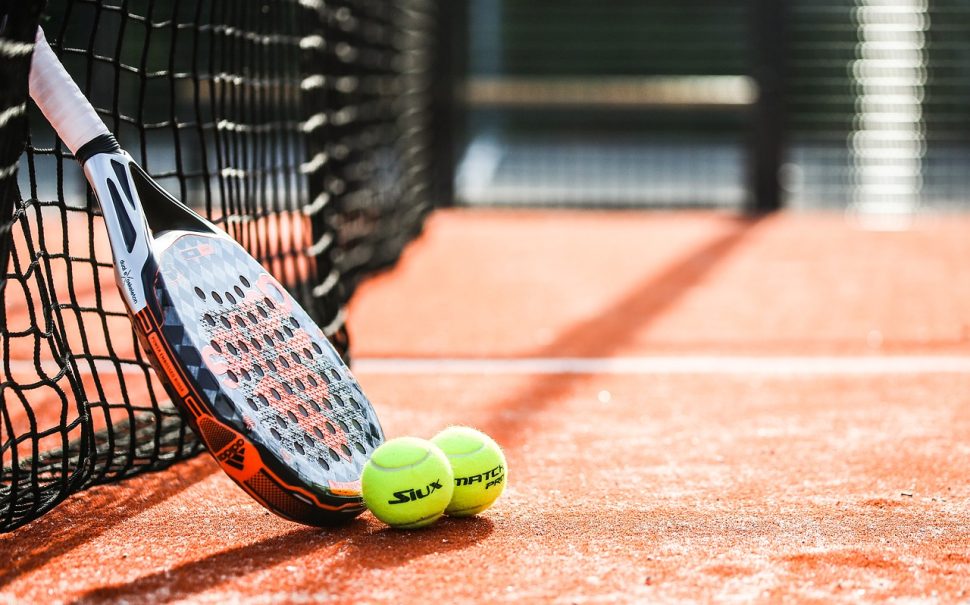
<point x="407" y="483"/>
<point x="479" y="467"/>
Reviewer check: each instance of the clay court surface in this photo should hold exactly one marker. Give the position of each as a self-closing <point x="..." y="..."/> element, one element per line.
<point x="694" y="407"/>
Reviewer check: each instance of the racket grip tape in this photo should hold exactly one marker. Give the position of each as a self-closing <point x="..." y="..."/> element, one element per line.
<point x="60" y="99"/>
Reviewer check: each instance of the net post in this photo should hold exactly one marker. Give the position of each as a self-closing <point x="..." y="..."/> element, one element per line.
<point x="447" y="121"/>
<point x="768" y="20"/>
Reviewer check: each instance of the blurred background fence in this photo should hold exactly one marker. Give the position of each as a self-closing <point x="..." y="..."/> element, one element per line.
<point x="744" y="104"/>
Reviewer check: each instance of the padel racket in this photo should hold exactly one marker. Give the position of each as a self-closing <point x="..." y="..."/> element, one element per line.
<point x="252" y="373"/>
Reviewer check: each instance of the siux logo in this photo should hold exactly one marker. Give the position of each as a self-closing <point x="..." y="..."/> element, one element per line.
<point x="234" y="455"/>
<point x="410" y="495"/>
<point x="489" y="478"/>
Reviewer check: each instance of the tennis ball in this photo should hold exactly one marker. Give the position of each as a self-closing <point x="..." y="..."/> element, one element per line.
<point x="407" y="483"/>
<point x="479" y="467"/>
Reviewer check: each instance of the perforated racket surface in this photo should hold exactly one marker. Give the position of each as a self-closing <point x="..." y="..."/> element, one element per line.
<point x="275" y="403"/>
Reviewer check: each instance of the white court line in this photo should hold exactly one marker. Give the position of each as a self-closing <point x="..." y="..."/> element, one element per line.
<point x="772" y="366"/>
<point x="711" y="365"/>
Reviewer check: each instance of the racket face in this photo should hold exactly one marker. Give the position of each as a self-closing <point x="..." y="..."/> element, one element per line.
<point x="269" y="395"/>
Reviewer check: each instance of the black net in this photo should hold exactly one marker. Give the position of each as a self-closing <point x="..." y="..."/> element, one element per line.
<point x="299" y="126"/>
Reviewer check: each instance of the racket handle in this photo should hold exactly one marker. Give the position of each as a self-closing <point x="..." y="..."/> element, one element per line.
<point x="60" y="99"/>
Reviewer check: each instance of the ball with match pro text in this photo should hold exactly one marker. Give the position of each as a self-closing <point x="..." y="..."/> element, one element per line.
<point x="479" y="467"/>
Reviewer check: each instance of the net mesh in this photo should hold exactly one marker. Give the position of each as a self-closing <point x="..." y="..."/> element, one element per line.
<point x="301" y="127"/>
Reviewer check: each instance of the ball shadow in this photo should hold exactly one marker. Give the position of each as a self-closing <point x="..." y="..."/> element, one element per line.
<point x="389" y="547"/>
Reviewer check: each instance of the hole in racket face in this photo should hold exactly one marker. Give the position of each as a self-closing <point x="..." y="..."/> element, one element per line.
<point x="286" y="387"/>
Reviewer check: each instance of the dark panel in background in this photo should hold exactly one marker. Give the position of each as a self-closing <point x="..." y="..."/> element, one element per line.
<point x="617" y="103"/>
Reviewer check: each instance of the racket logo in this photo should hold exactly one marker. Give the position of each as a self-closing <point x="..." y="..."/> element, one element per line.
<point x="125" y="272"/>
<point x="410" y="495"/>
<point x="234" y="455"/>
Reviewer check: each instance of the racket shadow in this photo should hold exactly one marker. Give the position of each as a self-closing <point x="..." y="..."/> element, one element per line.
<point x="183" y="581"/>
<point x="363" y="546"/>
<point x="395" y="547"/>
<point x="59" y="531"/>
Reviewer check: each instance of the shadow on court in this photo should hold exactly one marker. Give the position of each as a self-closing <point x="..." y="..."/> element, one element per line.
<point x="611" y="330"/>
<point x="86" y="516"/>
<point x="341" y="553"/>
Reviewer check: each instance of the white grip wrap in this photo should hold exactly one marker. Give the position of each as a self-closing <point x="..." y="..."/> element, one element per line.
<point x="60" y="100"/>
